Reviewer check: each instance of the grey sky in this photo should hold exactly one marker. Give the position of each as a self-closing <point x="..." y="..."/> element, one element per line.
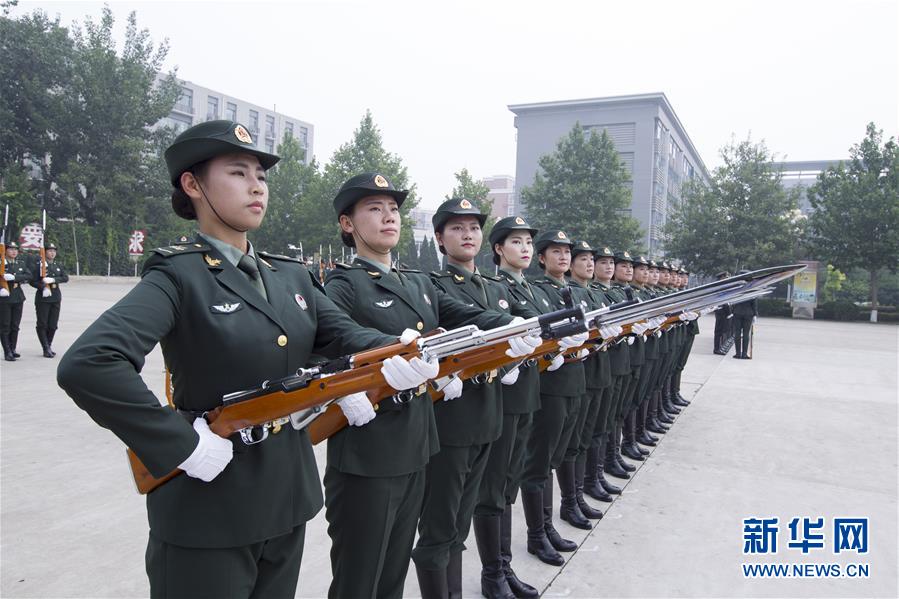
<point x="804" y="76"/>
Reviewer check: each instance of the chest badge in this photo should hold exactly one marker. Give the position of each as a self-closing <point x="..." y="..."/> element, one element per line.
<point x="226" y="308"/>
<point x="301" y="301"/>
<point x="386" y="303"/>
<point x="211" y="261"/>
<point x="503" y="304"/>
<point x="427" y="299"/>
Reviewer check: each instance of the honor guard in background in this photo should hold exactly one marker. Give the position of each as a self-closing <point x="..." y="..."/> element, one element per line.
<point x="745" y="314"/>
<point x="561" y="388"/>
<point x="375" y="478"/>
<point x="466" y="426"/>
<point x="12" y="300"/>
<point x="723" y="317"/>
<point x="48" y="299"/>
<point x="511" y="241"/>
<point x="228" y="317"/>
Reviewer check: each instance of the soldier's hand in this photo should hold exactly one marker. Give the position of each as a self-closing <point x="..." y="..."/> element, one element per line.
<point x="638" y="328"/>
<point x="210" y="456"/>
<point x="510" y="378"/>
<point x="451" y="386"/>
<point x="557" y="362"/>
<point x="524" y="345"/>
<point x="357" y="409"/>
<point x="402" y="375"/>
<point x="9" y="277"/>
<point x="4" y="292"/>
<point x="573" y="341"/>
<point x="610" y="331"/>
<point x="408" y="336"/>
<point x="48" y="280"/>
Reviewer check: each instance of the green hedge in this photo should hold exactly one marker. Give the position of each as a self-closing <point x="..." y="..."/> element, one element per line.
<point x="841" y="310"/>
<point x="774" y="307"/>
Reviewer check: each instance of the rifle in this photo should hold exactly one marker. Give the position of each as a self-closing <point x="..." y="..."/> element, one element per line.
<point x="302" y="397"/>
<point x="3" y="284"/>
<point x="45" y="291"/>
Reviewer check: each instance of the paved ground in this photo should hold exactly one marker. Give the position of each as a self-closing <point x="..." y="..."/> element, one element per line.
<point x="806" y="429"/>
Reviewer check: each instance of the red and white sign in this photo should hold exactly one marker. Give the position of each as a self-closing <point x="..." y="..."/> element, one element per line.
<point x="136" y="243"/>
<point x="32" y="237"/>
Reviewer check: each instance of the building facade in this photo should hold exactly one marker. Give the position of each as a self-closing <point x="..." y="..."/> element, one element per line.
<point x="502" y="193"/>
<point x="654" y="147"/>
<point x="803" y="174"/>
<point x="198" y="104"/>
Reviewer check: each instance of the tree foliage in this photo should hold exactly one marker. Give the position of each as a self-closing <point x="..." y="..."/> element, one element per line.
<point x="583" y="189"/>
<point x="744" y="218"/>
<point x="855" y="222"/>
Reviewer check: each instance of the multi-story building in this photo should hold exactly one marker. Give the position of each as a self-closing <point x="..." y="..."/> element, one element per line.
<point x="803" y="174"/>
<point x="654" y="147"/>
<point x="198" y="104"/>
<point x="502" y="192"/>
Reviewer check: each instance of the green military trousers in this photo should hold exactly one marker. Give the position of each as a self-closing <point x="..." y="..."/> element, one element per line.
<point x="505" y="464"/>
<point x="553" y="426"/>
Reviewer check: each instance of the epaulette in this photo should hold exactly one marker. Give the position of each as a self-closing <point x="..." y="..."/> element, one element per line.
<point x="345" y="266"/>
<point x="278" y="257"/>
<point x="497" y="278"/>
<point x="441" y="273"/>
<point x="174" y="250"/>
<point x="404" y="269"/>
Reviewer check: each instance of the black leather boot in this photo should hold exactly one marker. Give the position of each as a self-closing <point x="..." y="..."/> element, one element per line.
<point x="13" y="343"/>
<point x="7" y="353"/>
<point x="454" y="576"/>
<point x="493" y="578"/>
<point x="629" y="446"/>
<point x="592" y="473"/>
<point x="580" y="468"/>
<point x="538" y="543"/>
<point x="42" y="338"/>
<point x="432" y="583"/>
<point x="569" y="511"/>
<point x="675" y="388"/>
<point x="619" y="442"/>
<point x="555" y="539"/>
<point x="642" y="436"/>
<point x="50" y="335"/>
<point x="612" y="467"/>
<point x="519" y="588"/>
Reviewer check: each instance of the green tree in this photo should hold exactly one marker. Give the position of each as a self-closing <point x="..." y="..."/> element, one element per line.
<point x="855" y="222"/>
<point x="407" y="253"/>
<point x="365" y="152"/>
<point x="584" y="190"/>
<point x="833" y="283"/>
<point x="289" y="183"/>
<point x="428" y="256"/>
<point x="742" y="219"/>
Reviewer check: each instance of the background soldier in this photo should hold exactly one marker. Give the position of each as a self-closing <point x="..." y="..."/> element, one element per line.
<point x="723" y="317"/>
<point x="744" y="317"/>
<point x="48" y="299"/>
<point x="11" y="304"/>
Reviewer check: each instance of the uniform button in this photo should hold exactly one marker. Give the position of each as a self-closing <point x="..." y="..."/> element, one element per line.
<point x="282" y="340"/>
<point x="420" y="325"/>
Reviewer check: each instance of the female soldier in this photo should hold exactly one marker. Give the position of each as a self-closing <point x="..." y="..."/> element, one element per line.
<point x="12" y="299"/>
<point x="48" y="299"/>
<point x="375" y="480"/>
<point x="228" y="317"/>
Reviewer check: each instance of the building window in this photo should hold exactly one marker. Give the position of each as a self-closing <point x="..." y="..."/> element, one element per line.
<point x="254" y="122"/>
<point x="212" y="108"/>
<point x="186" y="102"/>
<point x="178" y="122"/>
<point x="231" y="111"/>
<point x="288" y="128"/>
<point x="269" y="126"/>
<point x="270" y="146"/>
<point x="304" y="136"/>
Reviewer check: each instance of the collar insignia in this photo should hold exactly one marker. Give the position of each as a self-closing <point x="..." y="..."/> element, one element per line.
<point x="211" y="261"/>
<point x="459" y="278"/>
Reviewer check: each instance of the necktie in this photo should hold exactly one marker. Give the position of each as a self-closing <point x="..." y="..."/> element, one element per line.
<point x="478" y="281"/>
<point x="249" y="266"/>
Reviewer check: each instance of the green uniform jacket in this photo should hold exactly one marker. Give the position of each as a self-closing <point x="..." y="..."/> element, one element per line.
<point x="597" y="368"/>
<point x="619" y="354"/>
<point x="218" y="335"/>
<point x="19" y="269"/>
<point x="524" y="396"/>
<point x="53" y="270"/>
<point x="650" y="343"/>
<point x="636" y="349"/>
<point x="568" y="380"/>
<point x="476" y="417"/>
<point x="397" y="441"/>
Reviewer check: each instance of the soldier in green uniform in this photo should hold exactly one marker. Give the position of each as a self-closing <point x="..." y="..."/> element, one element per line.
<point x="228" y="317"/>
<point x="12" y="301"/>
<point x="600" y="456"/>
<point x="745" y="314"/>
<point x="649" y="419"/>
<point x="561" y="388"/>
<point x="48" y="299"/>
<point x="468" y="426"/>
<point x="511" y="241"/>
<point x="375" y="479"/>
<point x="672" y="395"/>
<point x="598" y="376"/>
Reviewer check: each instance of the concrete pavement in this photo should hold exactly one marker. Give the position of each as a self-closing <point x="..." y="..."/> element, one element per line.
<point x="806" y="429"/>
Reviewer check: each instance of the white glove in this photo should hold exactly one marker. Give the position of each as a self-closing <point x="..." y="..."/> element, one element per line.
<point x="510" y="378"/>
<point x="610" y="331"/>
<point x="401" y="374"/>
<point x="557" y="362"/>
<point x="630" y="339"/>
<point x="4" y="292"/>
<point x="9" y="277"/>
<point x="451" y="386"/>
<point x="524" y="345"/>
<point x="688" y="316"/>
<point x="707" y="310"/>
<point x="638" y="328"/>
<point x="45" y="292"/>
<point x="210" y="456"/>
<point x="357" y="409"/>
<point x="573" y="341"/>
<point x="658" y="321"/>
<point x="755" y="319"/>
<point x="48" y="280"/>
<point x="583" y="353"/>
<point x="658" y="333"/>
<point x="408" y="336"/>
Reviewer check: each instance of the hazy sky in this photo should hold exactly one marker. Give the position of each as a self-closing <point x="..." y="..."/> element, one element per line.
<point x="806" y="77"/>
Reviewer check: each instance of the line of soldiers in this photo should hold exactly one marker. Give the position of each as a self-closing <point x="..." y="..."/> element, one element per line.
<point x="47" y="299"/>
